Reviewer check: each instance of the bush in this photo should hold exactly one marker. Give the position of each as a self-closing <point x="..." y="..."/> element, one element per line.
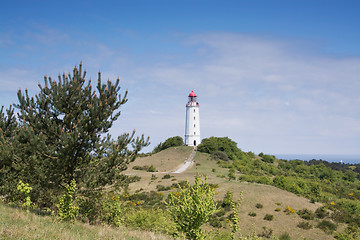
<point x="112" y="210"/>
<point x="267" y="158"/>
<point x="67" y="210"/>
<point x="149" y="219"/>
<point x="304" y="225"/>
<point x="269" y="217"/>
<point x="289" y="210"/>
<point x="277" y="209"/>
<point x="218" y="155"/>
<point x="151" y="169"/>
<point x="327" y="226"/>
<point x="284" y="236"/>
<point x="163" y="188"/>
<point x="306" y="214"/>
<point x="321" y="212"/>
<point x="170" y="142"/>
<point x="167" y="176"/>
<point x="259" y="205"/>
<point x="192" y="207"/>
<point x="252" y="214"/>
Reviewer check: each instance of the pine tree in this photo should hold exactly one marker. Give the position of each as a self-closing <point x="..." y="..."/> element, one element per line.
<point x="66" y="127"/>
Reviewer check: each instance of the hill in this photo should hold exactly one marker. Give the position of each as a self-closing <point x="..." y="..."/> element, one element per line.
<point x="265" y="209"/>
<point x="270" y="197"/>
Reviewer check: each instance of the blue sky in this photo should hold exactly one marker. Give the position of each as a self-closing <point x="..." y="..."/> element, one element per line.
<point x="274" y="76"/>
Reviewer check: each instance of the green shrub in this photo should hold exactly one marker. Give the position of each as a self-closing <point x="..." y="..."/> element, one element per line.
<point x="219" y="155"/>
<point x="269" y="217"/>
<point x="163" y="188"/>
<point x="192" y="207"/>
<point x="304" y="225"/>
<point x="112" y="210"/>
<point x="167" y="176"/>
<point x="67" y="211"/>
<point x="24" y="191"/>
<point x="151" y="169"/>
<point x="170" y="142"/>
<point x="259" y="205"/>
<point x="252" y="214"/>
<point x="284" y="236"/>
<point x="306" y="214"/>
<point x="150" y="219"/>
<point x="321" y="212"/>
<point x="277" y="209"/>
<point x="327" y="226"/>
<point x="215" y="222"/>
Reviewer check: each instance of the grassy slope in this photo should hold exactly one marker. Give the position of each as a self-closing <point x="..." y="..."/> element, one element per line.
<point x="252" y="193"/>
<point x="19" y="224"/>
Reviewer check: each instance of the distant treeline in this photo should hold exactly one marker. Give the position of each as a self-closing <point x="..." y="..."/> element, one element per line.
<point x="336" y="165"/>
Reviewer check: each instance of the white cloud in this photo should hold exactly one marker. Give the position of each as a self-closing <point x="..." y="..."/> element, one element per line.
<point x="263" y="93"/>
<point x="255" y="91"/>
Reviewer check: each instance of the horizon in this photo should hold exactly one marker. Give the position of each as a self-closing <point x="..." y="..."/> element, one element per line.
<point x="274" y="76"/>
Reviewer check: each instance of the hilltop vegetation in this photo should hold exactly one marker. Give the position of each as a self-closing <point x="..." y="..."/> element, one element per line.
<point x="339" y="191"/>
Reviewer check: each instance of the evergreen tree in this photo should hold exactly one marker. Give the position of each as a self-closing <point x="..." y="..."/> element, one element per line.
<point x="63" y="133"/>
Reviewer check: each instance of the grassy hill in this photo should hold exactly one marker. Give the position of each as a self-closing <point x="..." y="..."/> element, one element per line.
<point x="269" y="197"/>
<point x="258" y="200"/>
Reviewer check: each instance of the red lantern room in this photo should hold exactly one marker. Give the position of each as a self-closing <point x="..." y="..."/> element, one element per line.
<point x="192" y="97"/>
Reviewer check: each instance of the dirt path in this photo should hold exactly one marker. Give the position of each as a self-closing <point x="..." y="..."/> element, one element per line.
<point x="187" y="163"/>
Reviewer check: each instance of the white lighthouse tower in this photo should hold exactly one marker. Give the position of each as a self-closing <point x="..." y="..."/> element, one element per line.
<point x="192" y="122"/>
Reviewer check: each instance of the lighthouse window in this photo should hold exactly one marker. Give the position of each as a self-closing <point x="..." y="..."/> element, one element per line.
<point x="194" y="118"/>
<point x="194" y="133"/>
<point x="194" y="125"/>
<point x="194" y="110"/>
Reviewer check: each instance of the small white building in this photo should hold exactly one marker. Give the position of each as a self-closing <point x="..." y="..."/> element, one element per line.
<point x="192" y="121"/>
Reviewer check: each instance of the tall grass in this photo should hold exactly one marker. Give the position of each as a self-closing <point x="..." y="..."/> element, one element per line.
<point x="19" y="224"/>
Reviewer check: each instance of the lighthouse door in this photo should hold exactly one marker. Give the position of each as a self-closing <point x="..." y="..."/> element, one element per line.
<point x="194" y="142"/>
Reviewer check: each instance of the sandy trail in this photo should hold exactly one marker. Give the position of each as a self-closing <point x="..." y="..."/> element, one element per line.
<point x="187" y="163"/>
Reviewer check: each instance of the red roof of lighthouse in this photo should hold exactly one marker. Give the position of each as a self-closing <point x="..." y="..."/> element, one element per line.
<point x="192" y="94"/>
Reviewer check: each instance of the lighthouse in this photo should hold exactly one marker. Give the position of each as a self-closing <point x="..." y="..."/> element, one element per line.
<point x="192" y="121"/>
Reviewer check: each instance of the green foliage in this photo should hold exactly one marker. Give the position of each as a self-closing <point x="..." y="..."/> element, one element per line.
<point x="151" y="169"/>
<point x="170" y="142"/>
<point x="321" y="212"/>
<point x="304" y="225"/>
<point x="327" y="226"/>
<point x="61" y="135"/>
<point x="167" y="176"/>
<point x="112" y="210"/>
<point x="192" y="207"/>
<point x="234" y="218"/>
<point x="306" y="214"/>
<point x="218" y="155"/>
<point x="352" y="232"/>
<point x="153" y="219"/>
<point x="231" y="174"/>
<point x="259" y="205"/>
<point x="224" y="144"/>
<point x="252" y="214"/>
<point x="267" y="158"/>
<point x="67" y="210"/>
<point x="285" y="236"/>
<point x="268" y="217"/>
<point x="163" y="188"/>
<point x="24" y="190"/>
